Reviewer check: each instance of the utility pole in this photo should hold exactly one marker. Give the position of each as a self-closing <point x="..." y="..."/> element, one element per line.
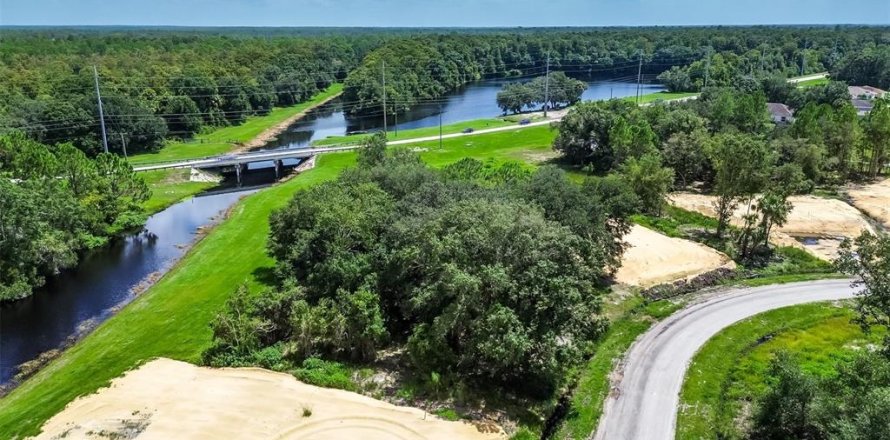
<point x="383" y="75"/>
<point x="803" y="58"/>
<point x="639" y="76"/>
<point x="708" y="69"/>
<point x="101" y="112"/>
<point x="547" y="86"/>
<point x="124" y="145"/>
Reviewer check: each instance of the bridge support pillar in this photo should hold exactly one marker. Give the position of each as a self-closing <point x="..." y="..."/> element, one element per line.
<point x="279" y="166"/>
<point x="239" y="168"/>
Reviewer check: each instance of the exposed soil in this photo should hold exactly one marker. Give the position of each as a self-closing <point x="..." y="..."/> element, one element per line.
<point x="653" y="258"/>
<point x="873" y="200"/>
<point x="815" y="224"/>
<point x="167" y="399"/>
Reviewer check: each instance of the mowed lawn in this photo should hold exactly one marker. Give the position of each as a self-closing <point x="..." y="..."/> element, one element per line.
<point x="729" y="372"/>
<point x="660" y="96"/>
<point x="813" y="82"/>
<point x="392" y="135"/>
<point x="168" y="187"/>
<point x="224" y="139"/>
<point x="172" y="318"/>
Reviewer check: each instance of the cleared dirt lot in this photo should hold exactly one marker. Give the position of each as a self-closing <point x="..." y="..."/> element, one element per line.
<point x="653" y="258"/>
<point x="815" y="224"/>
<point x="166" y="399"/>
<point x="873" y="199"/>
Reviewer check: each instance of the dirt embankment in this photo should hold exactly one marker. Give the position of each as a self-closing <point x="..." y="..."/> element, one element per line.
<point x="873" y="200"/>
<point x="815" y="224"/>
<point x="272" y="132"/>
<point x="166" y="399"/>
<point x="653" y="258"/>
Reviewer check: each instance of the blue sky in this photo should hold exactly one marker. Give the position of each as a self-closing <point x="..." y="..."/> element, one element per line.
<point x="440" y="13"/>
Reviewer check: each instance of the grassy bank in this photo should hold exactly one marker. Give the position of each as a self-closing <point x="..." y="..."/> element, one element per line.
<point x="629" y="318"/>
<point x="168" y="187"/>
<point x="660" y="96"/>
<point x="172" y="318"/>
<point x="729" y="372"/>
<point x="225" y="139"/>
<point x="813" y="82"/>
<point x="476" y="124"/>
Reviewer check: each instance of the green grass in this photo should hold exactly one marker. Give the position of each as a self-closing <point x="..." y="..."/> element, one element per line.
<point x="660" y="96"/>
<point x="728" y="373"/>
<point x="172" y="318"/>
<point x="477" y="124"/>
<point x="674" y="221"/>
<point x="447" y="414"/>
<point x="813" y="82"/>
<point x="225" y="139"/>
<point x="168" y="187"/>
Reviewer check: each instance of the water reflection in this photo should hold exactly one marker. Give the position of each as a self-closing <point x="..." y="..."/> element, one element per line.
<point x="474" y="101"/>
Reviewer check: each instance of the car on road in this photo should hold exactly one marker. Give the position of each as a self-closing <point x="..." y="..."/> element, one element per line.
<point x="467" y="130"/>
<point x="227" y="157"/>
<point x="525" y="122"/>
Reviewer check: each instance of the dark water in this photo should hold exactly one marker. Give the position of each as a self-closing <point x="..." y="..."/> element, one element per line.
<point x="102" y="281"/>
<point x="474" y="101"/>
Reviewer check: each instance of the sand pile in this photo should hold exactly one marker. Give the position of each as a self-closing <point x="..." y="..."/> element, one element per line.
<point x="816" y="224"/>
<point x="873" y="199"/>
<point x="166" y="399"/>
<point x="653" y="258"/>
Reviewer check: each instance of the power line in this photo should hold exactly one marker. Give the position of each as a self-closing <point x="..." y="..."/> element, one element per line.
<point x="101" y="115"/>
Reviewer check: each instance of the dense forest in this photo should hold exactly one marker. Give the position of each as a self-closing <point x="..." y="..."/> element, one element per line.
<point x="55" y="203"/>
<point x="422" y="69"/>
<point x="159" y="84"/>
<point x="490" y="274"/>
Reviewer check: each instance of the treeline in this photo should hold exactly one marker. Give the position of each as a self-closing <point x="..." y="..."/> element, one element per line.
<point x="158" y="85"/>
<point x="726" y="144"/>
<point x="487" y="274"/>
<point x="552" y="91"/>
<point x="860" y="58"/>
<point x="426" y="67"/>
<point x="55" y="203"/>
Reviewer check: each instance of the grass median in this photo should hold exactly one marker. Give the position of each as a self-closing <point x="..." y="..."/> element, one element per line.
<point x="392" y="135"/>
<point x="728" y="373"/>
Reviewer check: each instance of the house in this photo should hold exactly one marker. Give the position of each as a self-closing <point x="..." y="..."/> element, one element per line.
<point x="780" y="113"/>
<point x="863" y="106"/>
<point x="865" y="92"/>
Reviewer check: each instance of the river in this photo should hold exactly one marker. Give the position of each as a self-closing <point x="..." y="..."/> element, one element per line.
<point x="73" y="302"/>
<point x="473" y="101"/>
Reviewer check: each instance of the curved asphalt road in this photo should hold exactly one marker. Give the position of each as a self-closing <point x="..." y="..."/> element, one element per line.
<point x="646" y="405"/>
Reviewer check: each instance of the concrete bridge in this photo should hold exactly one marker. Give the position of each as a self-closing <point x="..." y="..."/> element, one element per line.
<point x="239" y="162"/>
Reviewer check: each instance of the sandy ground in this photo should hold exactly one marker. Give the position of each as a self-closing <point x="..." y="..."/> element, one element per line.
<point x="166" y="399"/>
<point x="821" y="223"/>
<point x="873" y="199"/>
<point x="653" y="258"/>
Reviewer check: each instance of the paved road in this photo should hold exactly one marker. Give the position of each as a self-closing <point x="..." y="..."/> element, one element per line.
<point x="646" y="406"/>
